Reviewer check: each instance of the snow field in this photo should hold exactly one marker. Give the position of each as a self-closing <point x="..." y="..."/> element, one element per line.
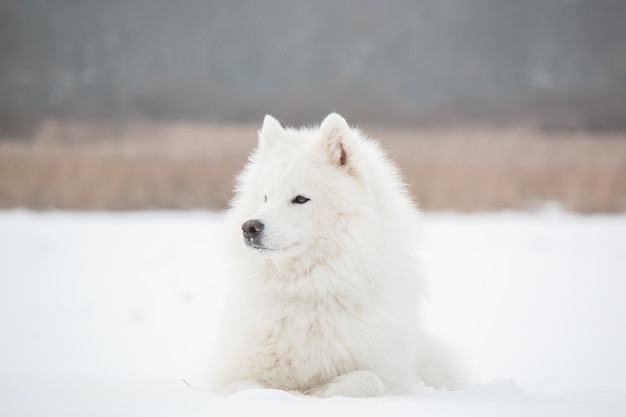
<point x="115" y="313"/>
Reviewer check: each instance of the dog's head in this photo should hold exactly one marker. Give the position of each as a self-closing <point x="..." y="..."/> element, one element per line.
<point x="299" y="187"/>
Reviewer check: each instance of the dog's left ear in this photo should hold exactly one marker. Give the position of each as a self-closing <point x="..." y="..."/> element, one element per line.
<point x="335" y="134"/>
<point x="271" y="132"/>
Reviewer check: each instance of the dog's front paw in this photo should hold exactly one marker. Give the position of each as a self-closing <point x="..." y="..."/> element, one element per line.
<point x="353" y="384"/>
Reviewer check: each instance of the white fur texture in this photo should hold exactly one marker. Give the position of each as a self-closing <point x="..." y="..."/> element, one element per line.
<point x="325" y="299"/>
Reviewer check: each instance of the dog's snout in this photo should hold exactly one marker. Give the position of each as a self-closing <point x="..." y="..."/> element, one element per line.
<point x="252" y="229"/>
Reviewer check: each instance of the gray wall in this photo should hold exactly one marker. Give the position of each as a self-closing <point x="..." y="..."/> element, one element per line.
<point x="554" y="63"/>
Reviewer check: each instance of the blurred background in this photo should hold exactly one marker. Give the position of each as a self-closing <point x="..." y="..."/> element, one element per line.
<point x="142" y="104"/>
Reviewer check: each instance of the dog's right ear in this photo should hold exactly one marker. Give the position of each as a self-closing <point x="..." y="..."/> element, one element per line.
<point x="335" y="136"/>
<point x="270" y="132"/>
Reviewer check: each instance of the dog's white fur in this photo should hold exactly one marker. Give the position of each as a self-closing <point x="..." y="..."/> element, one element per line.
<point x="325" y="300"/>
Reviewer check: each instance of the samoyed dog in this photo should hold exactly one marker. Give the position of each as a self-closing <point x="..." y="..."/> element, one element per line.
<point x="325" y="284"/>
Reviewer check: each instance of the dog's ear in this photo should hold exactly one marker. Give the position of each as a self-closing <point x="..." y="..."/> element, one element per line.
<point x="270" y="132"/>
<point x="335" y="134"/>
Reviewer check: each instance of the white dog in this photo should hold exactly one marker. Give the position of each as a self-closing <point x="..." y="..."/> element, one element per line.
<point x="325" y="286"/>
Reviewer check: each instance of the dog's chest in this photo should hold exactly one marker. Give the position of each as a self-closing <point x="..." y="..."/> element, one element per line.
<point x="299" y="342"/>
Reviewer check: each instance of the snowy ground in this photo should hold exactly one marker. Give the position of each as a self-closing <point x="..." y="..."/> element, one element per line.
<point x="113" y="314"/>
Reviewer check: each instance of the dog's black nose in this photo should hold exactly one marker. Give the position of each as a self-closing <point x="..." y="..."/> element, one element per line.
<point x="252" y="229"/>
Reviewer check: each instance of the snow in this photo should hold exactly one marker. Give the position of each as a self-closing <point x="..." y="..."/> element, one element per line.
<point x="114" y="314"/>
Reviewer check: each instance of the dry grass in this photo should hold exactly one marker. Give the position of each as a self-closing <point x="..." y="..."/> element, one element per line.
<point x="74" y="166"/>
<point x="141" y="166"/>
<point x="497" y="169"/>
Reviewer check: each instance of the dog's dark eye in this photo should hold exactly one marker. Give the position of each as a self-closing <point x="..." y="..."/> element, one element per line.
<point x="265" y="199"/>
<point x="299" y="199"/>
